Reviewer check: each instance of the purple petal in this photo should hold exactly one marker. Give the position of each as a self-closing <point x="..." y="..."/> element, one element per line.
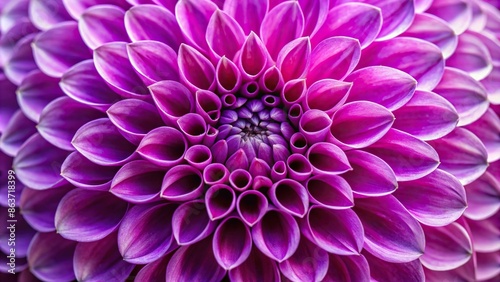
<point x="487" y="266"/>
<point x="101" y="142"/>
<point x="274" y="34"/>
<point x="138" y="182"/>
<point x="172" y="99"/>
<point x="256" y="268"/>
<point x="298" y="143"/>
<point x="21" y="63"/>
<point x="327" y="95"/>
<point x="252" y="206"/>
<point x="397" y="17"/>
<point x="240" y="179"/>
<point x="191" y="223"/>
<point x="347" y="268"/>
<point x="329" y="191"/>
<point x="492" y="85"/>
<point x="385" y="86"/>
<point x="259" y="167"/>
<point x="409" y="157"/>
<point x="293" y="92"/>
<point x="462" y="154"/>
<point x="100" y="261"/>
<point x="17" y="131"/>
<point x="290" y="196"/>
<point x="426" y="116"/>
<point x="383" y="270"/>
<point x="482" y="197"/>
<point x="62" y="118"/>
<point x="149" y="22"/>
<point x="220" y="200"/>
<point x="471" y="56"/>
<point x="198" y="156"/>
<point x="328" y="158"/>
<point x="219" y="151"/>
<point x="238" y="160"/>
<point x="278" y="171"/>
<point x="46" y="14"/>
<point x="196" y="71"/>
<point x="248" y="13"/>
<point x="82" y="83"/>
<point x="76" y="8"/>
<point x="52" y="55"/>
<point x="293" y="59"/>
<point x="227" y="76"/>
<point x="458" y="14"/>
<point x="315" y="13"/>
<point x="193" y="18"/>
<point x="485" y="234"/>
<point x="9" y="101"/>
<point x="315" y="125"/>
<point x="232" y="253"/>
<point x="215" y="173"/>
<point x="38" y="163"/>
<point x="418" y="58"/>
<point x="112" y="63"/>
<point x="79" y="217"/>
<point x="154" y="271"/>
<point x="195" y="263"/>
<point x="334" y="57"/>
<point x="253" y="57"/>
<point x="102" y="24"/>
<point x="15" y="34"/>
<point x="163" y="146"/>
<point x="363" y="22"/>
<point x="436" y="199"/>
<point x="208" y="105"/>
<point x="140" y="220"/>
<point x="391" y="233"/>
<point x="51" y="257"/>
<point x="270" y="81"/>
<point x="224" y="35"/>
<point x="182" y="183"/>
<point x="193" y="126"/>
<point x="308" y="263"/>
<point x="276" y="235"/>
<point x="299" y="168"/>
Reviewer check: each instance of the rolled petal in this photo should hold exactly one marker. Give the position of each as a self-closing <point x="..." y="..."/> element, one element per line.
<point x="140" y="220"/>
<point x="458" y="14"/>
<point x="52" y="55"/>
<point x="100" y="261"/>
<point x="253" y="57"/>
<point x="298" y="143"/>
<point x="316" y="267"/>
<point x="274" y="34"/>
<point x="172" y="99"/>
<point x="101" y="142"/>
<point x="81" y="172"/>
<point x="345" y="128"/>
<point x="153" y="60"/>
<point x="290" y="196"/>
<point x="391" y="233"/>
<point x="208" y="105"/>
<point x="271" y="81"/>
<point x="193" y="126"/>
<point x="328" y="158"/>
<point x="482" y="197"/>
<point x="293" y="92"/>
<point x="252" y="206"/>
<point x="151" y="22"/>
<point x="50" y="257"/>
<point x="426" y="116"/>
<point x="163" y="146"/>
<point x="436" y="199"/>
<point x="83" y="83"/>
<point x="18" y="130"/>
<point x="102" y="24"/>
<point x="134" y="118"/>
<point x="224" y="35"/>
<point x="382" y="85"/>
<point x="334" y="57"/>
<point x="220" y="200"/>
<point x="79" y="215"/>
<point x="371" y="176"/>
<point x="38" y="163"/>
<point x="138" y="182"/>
<point x="62" y="118"/>
<point x="446" y="247"/>
<point x="248" y="13"/>
<point x="240" y="179"/>
<point x="276" y="235"/>
<point x="227" y="75"/>
<point x="427" y="63"/>
<point x="113" y="65"/>
<point x="315" y="125"/>
<point x="329" y="191"/>
<point x="232" y="253"/>
<point x="327" y="95"/>
<point x="195" y="70"/>
<point x="383" y="270"/>
<point x="182" y="183"/>
<point x="278" y="171"/>
<point x="299" y="167"/>
<point x="409" y="157"/>
<point x="198" y="156"/>
<point x="191" y="223"/>
<point x="193" y="18"/>
<point x="195" y="262"/>
<point x="293" y="59"/>
<point x="347" y="268"/>
<point x="471" y="56"/>
<point x="462" y="154"/>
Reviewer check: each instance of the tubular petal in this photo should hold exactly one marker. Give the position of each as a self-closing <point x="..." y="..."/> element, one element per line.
<point x="163" y="146"/>
<point x="328" y="158"/>
<point x="220" y="200"/>
<point x="172" y="99"/>
<point x="251" y="206"/>
<point x="290" y="196"/>
<point x="232" y="253"/>
<point x="182" y="183"/>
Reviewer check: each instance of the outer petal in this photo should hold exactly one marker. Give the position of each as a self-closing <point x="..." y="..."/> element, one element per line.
<point x="196" y="71"/>
<point x="193" y="17"/>
<point x="488" y="266"/>
<point x="102" y="24"/>
<point x="253" y="57"/>
<point x="327" y="95"/>
<point x="471" y="56"/>
<point x="328" y="158"/>
<point x="248" y="13"/>
<point x="391" y="233"/>
<point x="76" y="7"/>
<point x="491" y="84"/>
<point x="18" y="130"/>
<point x="21" y="63"/>
<point x="191" y="223"/>
<point x="182" y="183"/>
<point x="155" y="271"/>
<point x="458" y="14"/>
<point x="45" y="14"/>
<point x="381" y="270"/>
<point x="347" y="268"/>
<point x="329" y="191"/>
<point x="224" y="35"/>
<point x="316" y="267"/>
<point x="232" y="253"/>
<point x="256" y="268"/>
<point x="482" y="197"/>
<point x="172" y="99"/>
<point x="487" y="128"/>
<point x="293" y="59"/>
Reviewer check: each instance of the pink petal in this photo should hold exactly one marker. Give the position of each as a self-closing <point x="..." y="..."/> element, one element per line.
<point x="315" y="126"/>
<point x="163" y="146"/>
<point x="482" y="197"/>
<point x="327" y="95"/>
<point x="293" y="59"/>
<point x="46" y="14"/>
<point x="458" y="14"/>
<point x="315" y="13"/>
<point x="227" y="75"/>
<point x="76" y="8"/>
<point x="347" y="268"/>
<point x="329" y="191"/>
<point x="253" y="57"/>
<point x="224" y="35"/>
<point x="193" y="18"/>
<point x="248" y="13"/>
<point x="487" y="128"/>
<point x="195" y="70"/>
<point x="382" y="270"/>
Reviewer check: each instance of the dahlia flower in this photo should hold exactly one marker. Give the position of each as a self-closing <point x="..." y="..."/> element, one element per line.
<point x="251" y="140"/>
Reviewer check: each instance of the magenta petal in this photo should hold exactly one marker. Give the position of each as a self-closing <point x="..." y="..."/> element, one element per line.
<point x="193" y="126"/>
<point x="112" y="63"/>
<point x="238" y="160"/>
<point x="248" y="13"/>
<point x="228" y="76"/>
<point x="446" y="247"/>
<point x="220" y="200"/>
<point x="347" y="268"/>
<point x="149" y="22"/>
<point x="38" y="163"/>
<point x="298" y="167"/>
<point x="360" y="124"/>
<point x="102" y="24"/>
<point x="182" y="183"/>
<point x="240" y="179"/>
<point x="436" y="199"/>
<point x="154" y="271"/>
<point x="315" y="125"/>
<point x="293" y="59"/>
<point x="196" y="71"/>
<point x="334" y="57"/>
<point x="488" y="266"/>
<point x="252" y="206"/>
<point x="195" y="262"/>
<point x="163" y="146"/>
<point x="100" y="261"/>
<point x="482" y="197"/>
<point x="418" y="58"/>
<point x="328" y="158"/>
<point x="153" y="60"/>
<point x="51" y="257"/>
<point x="276" y="235"/>
<point x="198" y="156"/>
<point x="253" y="57"/>
<point x="191" y="223"/>
<point x="172" y="99"/>
<point x="397" y="17"/>
<point x="15" y="34"/>
<point x="409" y="157"/>
<point x="426" y="116"/>
<point x="329" y="191"/>
<point x="315" y="13"/>
<point x="193" y="18"/>
<point x="462" y="154"/>
<point x="79" y="218"/>
<point x="259" y="167"/>
<point x="316" y="267"/>
<point x="76" y="8"/>
<point x="232" y="253"/>
<point x="276" y="35"/>
<point x="363" y="22"/>
<point x="138" y="182"/>
<point x="327" y="95"/>
<point x="62" y="118"/>
<point x="224" y="35"/>
<point x="391" y="233"/>
<point x="491" y="84"/>
<point x="458" y="14"/>
<point x="140" y="220"/>
<point x="270" y="81"/>
<point x="290" y="196"/>
<point x="258" y="267"/>
<point x="471" y="56"/>
<point x="208" y="105"/>
<point x="384" y="270"/>
<point x="485" y="234"/>
<point x="466" y="94"/>
<point x="46" y="14"/>
<point x="385" y="86"/>
<point x="101" y="142"/>
<point x="17" y="131"/>
<point x="215" y="173"/>
<point x="52" y="55"/>
<point x="81" y="172"/>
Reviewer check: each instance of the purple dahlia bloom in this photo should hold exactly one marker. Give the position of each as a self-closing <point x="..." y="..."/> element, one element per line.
<point x="254" y="140"/>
